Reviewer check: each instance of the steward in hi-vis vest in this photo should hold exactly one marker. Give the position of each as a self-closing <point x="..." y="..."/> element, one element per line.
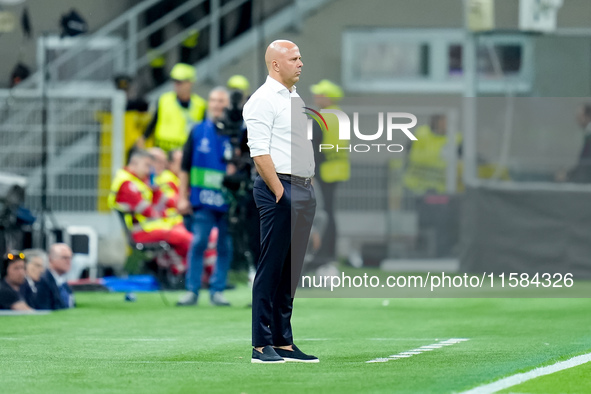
<point x="168" y="184"/>
<point x="240" y="83"/>
<point x="336" y="166"/>
<point x="333" y="166"/>
<point x="177" y="112"/>
<point x="165" y="185"/>
<point x="133" y="198"/>
<point x="426" y="161"/>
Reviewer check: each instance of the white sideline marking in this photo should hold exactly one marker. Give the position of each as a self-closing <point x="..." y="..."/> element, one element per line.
<point x="413" y="352"/>
<point x="127" y="339"/>
<point x="23" y="313"/>
<point x="174" y="362"/>
<point x="525" y="376"/>
<point x="403" y="339"/>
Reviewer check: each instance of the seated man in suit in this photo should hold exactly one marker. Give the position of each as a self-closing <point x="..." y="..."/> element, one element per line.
<point x="36" y="260"/>
<point x="53" y="291"/>
<point x="12" y="276"/>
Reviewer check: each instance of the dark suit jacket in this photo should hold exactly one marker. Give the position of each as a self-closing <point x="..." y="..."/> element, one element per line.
<point x="29" y="295"/>
<point x="48" y="294"/>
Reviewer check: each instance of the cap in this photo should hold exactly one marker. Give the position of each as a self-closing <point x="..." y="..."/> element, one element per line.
<point x="183" y="72"/>
<point x="328" y="89"/>
<point x="238" y="82"/>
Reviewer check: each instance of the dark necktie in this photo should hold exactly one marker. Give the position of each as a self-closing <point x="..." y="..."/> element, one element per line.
<point x="65" y="295"/>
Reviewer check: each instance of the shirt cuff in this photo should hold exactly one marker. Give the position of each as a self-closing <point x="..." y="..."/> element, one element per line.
<point x="258" y="149"/>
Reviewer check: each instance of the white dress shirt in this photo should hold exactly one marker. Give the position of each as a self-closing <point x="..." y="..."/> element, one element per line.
<point x="59" y="279"/>
<point x="276" y="126"/>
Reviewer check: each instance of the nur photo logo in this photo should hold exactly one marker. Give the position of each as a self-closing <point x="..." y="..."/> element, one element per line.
<point x="394" y="121"/>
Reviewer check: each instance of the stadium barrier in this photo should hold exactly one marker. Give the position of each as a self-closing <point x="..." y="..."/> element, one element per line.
<point x="82" y="151"/>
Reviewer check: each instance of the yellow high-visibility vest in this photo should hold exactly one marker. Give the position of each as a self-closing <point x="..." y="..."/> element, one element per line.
<point x="336" y="166"/>
<point x="163" y="181"/>
<point x="175" y="122"/>
<point x="133" y="220"/>
<point x="426" y="168"/>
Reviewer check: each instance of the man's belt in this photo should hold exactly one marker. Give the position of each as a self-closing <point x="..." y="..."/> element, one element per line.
<point x="294" y="179"/>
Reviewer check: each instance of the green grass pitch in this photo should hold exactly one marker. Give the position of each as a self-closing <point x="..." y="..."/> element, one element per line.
<point x="107" y="345"/>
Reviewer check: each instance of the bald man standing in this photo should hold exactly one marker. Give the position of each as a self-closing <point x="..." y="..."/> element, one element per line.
<point x="285" y="199"/>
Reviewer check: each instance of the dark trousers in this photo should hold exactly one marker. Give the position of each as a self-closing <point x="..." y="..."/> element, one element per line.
<point x="285" y="229"/>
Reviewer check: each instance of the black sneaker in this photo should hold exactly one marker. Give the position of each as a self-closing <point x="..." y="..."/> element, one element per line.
<point x="296" y="355"/>
<point x="268" y="356"/>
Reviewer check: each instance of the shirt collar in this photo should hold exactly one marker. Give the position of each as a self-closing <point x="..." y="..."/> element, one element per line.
<point x="32" y="284"/>
<point x="59" y="280"/>
<point x="278" y="86"/>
